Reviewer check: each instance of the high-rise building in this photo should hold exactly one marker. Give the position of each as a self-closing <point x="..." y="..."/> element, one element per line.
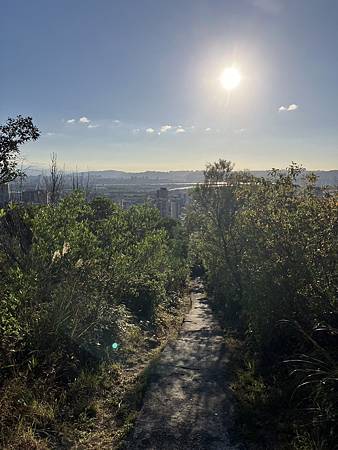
<point x="175" y="208"/>
<point x="126" y="204"/>
<point x="162" y="201"/>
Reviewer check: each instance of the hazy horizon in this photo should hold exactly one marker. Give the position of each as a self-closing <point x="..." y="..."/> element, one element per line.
<point x="62" y="166"/>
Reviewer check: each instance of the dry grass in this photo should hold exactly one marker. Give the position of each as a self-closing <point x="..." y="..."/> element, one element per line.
<point x="98" y="409"/>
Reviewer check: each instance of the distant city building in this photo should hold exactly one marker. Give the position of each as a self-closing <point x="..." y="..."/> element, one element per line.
<point x="10" y="195"/>
<point x="15" y="196"/>
<point x="172" y="203"/>
<point x="186" y="198"/>
<point x="126" y="204"/>
<point x="36" y="197"/>
<point x="162" y="201"/>
<point x="175" y="208"/>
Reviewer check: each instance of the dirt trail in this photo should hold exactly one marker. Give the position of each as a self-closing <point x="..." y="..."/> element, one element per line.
<point x="187" y="405"/>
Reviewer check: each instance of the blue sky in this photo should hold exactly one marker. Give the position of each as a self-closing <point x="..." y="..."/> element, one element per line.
<point x="134" y="85"/>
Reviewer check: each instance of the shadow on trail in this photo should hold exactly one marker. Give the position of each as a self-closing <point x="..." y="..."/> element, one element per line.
<point x="187" y="404"/>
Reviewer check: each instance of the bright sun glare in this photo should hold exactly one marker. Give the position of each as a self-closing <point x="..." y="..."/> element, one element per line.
<point x="230" y="78"/>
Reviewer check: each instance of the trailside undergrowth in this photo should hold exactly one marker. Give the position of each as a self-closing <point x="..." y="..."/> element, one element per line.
<point x="88" y="292"/>
<point x="269" y="249"/>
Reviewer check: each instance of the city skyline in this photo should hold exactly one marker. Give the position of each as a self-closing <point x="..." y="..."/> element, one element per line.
<point x="136" y="86"/>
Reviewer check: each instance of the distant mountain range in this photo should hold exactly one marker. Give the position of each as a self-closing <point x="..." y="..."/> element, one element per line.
<point x="184" y="176"/>
<point x="325" y="177"/>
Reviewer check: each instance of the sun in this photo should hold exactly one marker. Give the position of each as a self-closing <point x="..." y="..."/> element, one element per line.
<point x="230" y="78"/>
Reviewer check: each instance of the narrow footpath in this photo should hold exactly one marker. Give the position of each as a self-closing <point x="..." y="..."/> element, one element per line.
<point x="187" y="405"/>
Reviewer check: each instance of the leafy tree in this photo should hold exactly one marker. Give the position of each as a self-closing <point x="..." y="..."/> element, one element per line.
<point x="75" y="277"/>
<point x="13" y="134"/>
<point x="269" y="247"/>
<point x="212" y="221"/>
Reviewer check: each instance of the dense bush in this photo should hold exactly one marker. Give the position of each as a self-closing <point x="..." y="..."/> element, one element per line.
<point x="270" y="251"/>
<point x="76" y="277"/>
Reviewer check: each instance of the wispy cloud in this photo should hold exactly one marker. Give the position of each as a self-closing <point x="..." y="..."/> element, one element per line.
<point x="84" y="119"/>
<point x="165" y="128"/>
<point x="171" y="129"/>
<point x="50" y="134"/>
<point x="289" y="108"/>
<point x="207" y="129"/>
<point x="240" y="131"/>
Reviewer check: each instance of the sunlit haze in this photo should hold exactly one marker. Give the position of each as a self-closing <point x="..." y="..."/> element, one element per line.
<point x="230" y="78"/>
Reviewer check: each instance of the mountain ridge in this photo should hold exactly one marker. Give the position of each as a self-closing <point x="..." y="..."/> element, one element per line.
<point x="325" y="177"/>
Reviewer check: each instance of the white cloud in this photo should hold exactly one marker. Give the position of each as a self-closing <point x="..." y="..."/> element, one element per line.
<point x="289" y="108"/>
<point x="150" y="130"/>
<point x="165" y="128"/>
<point x="180" y="129"/>
<point x="208" y="129"/>
<point x="269" y="6"/>
<point x="240" y="131"/>
<point x="71" y="121"/>
<point x="117" y="122"/>
<point x="49" y="134"/>
<point x="84" y="119"/>
<point x="91" y="125"/>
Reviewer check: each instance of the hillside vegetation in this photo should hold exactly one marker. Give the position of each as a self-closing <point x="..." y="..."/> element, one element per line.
<point x="84" y="286"/>
<point x="90" y="293"/>
<point x="269" y="249"/>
